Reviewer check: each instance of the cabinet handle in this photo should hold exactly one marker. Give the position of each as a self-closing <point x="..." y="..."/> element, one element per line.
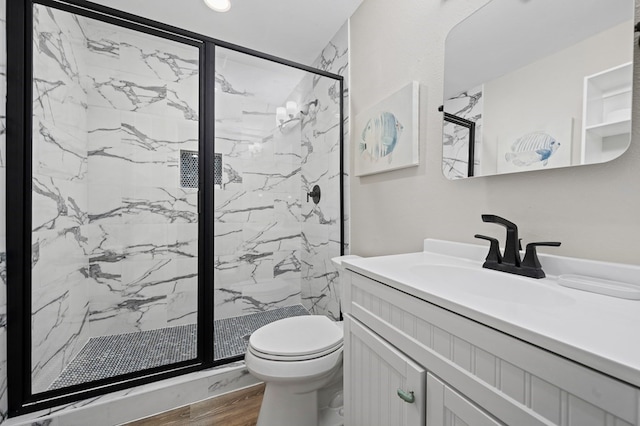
<point x="406" y="396"/>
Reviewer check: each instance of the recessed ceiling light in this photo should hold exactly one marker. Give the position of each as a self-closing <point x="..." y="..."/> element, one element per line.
<point x="218" y="5"/>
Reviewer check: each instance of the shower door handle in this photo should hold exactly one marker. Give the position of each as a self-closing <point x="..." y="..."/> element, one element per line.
<point x="314" y="194"/>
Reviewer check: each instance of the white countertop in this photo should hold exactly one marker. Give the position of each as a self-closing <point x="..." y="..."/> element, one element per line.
<point x="598" y="331"/>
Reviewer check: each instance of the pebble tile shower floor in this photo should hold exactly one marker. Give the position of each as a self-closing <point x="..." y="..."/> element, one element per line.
<point x="231" y="335"/>
<point x="108" y="356"/>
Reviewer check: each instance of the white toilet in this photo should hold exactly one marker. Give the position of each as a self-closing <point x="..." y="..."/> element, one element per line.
<point x="300" y="361"/>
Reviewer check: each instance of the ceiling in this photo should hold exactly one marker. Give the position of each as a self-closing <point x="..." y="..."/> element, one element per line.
<point x="296" y="30"/>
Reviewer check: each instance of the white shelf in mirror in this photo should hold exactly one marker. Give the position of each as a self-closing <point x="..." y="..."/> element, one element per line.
<point x="606" y="114"/>
<point x="610" y="128"/>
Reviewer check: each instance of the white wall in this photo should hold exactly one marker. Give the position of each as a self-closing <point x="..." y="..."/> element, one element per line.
<point x="593" y="209"/>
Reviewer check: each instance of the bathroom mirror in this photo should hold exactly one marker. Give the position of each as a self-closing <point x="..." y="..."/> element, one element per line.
<point x="534" y="85"/>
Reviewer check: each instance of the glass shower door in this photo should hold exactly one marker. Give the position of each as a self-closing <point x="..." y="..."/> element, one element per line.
<point x="277" y="137"/>
<point x="114" y="214"/>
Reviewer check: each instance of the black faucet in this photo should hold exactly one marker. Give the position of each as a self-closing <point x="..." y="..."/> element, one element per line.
<point x="510" y="261"/>
<point x="511" y="253"/>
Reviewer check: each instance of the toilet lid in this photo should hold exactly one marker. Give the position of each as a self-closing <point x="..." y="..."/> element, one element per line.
<point x="301" y="337"/>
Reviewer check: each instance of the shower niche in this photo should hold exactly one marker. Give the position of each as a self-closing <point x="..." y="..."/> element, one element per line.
<point x="160" y="216"/>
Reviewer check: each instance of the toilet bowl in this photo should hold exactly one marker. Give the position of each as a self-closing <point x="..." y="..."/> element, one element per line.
<point x="298" y="358"/>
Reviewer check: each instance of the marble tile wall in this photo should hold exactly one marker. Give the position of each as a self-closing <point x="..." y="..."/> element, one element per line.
<point x="257" y="210"/>
<point x="321" y="165"/>
<point x="60" y="303"/>
<point x="455" y="146"/>
<point x="272" y="246"/>
<point x="114" y="127"/>
<point x="114" y="235"/>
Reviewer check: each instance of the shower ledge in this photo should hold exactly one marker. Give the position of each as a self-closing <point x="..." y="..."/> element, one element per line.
<point x="142" y="401"/>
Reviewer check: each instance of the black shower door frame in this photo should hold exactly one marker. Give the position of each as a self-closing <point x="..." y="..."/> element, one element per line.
<point x="21" y="399"/>
<point x="471" y="127"/>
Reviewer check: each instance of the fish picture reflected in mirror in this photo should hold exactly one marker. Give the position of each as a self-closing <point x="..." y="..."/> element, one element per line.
<point x="536" y="147"/>
<point x="548" y="87"/>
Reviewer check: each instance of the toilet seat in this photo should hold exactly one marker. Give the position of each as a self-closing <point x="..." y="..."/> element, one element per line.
<point x="296" y="339"/>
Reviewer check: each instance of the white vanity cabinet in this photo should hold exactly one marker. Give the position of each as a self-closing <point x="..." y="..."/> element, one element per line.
<point x="378" y="371"/>
<point x="460" y="371"/>
<point x="447" y="407"/>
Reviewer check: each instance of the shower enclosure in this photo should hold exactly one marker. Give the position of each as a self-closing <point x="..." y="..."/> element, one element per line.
<point x="277" y="136"/>
<point x="162" y="199"/>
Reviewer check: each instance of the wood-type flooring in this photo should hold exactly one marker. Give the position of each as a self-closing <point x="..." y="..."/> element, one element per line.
<point x="238" y="408"/>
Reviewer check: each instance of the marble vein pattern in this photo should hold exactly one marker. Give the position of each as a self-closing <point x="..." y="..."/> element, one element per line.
<point x="257" y="208"/>
<point x="112" y="110"/>
<point x="455" y="144"/>
<point x="235" y="375"/>
<point x="114" y="235"/>
<point x="142" y="401"/>
<point x="321" y="166"/>
<point x="273" y="246"/>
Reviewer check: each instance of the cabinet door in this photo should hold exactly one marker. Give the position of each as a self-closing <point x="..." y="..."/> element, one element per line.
<point x="377" y="378"/>
<point x="446" y="407"/>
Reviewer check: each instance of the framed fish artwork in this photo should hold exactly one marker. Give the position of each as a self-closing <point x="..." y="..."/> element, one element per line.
<point x="386" y="134"/>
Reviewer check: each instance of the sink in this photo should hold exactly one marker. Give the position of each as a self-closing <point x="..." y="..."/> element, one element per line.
<point x="492" y="285"/>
